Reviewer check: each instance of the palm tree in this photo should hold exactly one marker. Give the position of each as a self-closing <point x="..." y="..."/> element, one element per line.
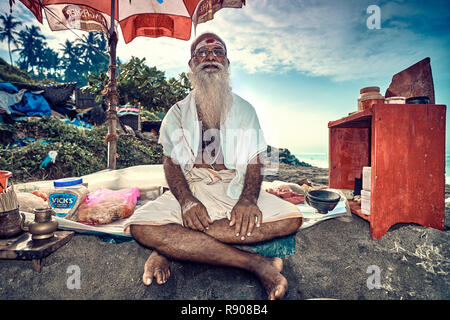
<point x="50" y="62"/>
<point x="8" y="32"/>
<point x="95" y="53"/>
<point x="72" y="61"/>
<point x="32" y="42"/>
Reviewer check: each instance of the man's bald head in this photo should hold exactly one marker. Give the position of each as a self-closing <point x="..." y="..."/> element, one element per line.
<point x="207" y="37"/>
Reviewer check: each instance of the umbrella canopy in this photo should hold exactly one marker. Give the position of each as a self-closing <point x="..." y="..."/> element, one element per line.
<point x="148" y="18"/>
<point x="33" y="5"/>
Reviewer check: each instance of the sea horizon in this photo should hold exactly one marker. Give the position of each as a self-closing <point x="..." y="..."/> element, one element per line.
<point x="320" y="160"/>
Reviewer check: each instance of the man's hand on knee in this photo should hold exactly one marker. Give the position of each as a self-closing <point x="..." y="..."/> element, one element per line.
<point x="244" y="216"/>
<point x="195" y="216"/>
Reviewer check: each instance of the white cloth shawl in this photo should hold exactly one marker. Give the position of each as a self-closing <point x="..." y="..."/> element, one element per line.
<point x="241" y="139"/>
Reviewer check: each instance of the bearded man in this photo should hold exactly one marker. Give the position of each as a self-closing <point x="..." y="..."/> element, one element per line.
<point x="212" y="144"/>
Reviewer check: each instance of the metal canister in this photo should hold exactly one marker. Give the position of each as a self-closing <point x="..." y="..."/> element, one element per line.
<point x="418" y="100"/>
<point x="43" y="226"/>
<point x="10" y="223"/>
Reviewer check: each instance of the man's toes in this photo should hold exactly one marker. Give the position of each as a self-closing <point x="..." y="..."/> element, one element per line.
<point x="275" y="294"/>
<point x="166" y="275"/>
<point x="160" y="277"/>
<point x="278" y="292"/>
<point x="156" y="267"/>
<point x="147" y="279"/>
<point x="276" y="287"/>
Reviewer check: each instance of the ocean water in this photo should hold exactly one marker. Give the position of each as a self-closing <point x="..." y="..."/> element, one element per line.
<point x="447" y="168"/>
<point x="320" y="160"/>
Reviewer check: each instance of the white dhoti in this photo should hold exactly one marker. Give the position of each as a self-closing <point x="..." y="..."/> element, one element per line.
<point x="210" y="188"/>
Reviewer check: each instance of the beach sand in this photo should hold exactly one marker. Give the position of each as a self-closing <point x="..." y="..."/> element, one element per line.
<point x="333" y="259"/>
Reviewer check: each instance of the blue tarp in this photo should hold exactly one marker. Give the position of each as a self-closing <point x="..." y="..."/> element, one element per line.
<point x="78" y="123"/>
<point x="8" y="87"/>
<point x="32" y="104"/>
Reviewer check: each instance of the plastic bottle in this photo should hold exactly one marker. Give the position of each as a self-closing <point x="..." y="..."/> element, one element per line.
<point x="68" y="194"/>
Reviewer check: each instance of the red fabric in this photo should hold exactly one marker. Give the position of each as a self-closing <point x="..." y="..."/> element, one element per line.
<point x="287" y="194"/>
<point x="156" y="25"/>
<point x="191" y="5"/>
<point x="100" y="5"/>
<point x="35" y="7"/>
<point x="146" y="24"/>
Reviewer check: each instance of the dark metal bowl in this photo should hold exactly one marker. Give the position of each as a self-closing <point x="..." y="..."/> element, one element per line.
<point x="418" y="100"/>
<point x="322" y="200"/>
<point x="324" y="195"/>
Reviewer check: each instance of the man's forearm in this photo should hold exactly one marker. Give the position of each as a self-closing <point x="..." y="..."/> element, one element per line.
<point x="252" y="182"/>
<point x="176" y="180"/>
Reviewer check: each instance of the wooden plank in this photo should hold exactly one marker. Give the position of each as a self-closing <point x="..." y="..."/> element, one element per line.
<point x="349" y="151"/>
<point x="23" y="248"/>
<point x="360" y="119"/>
<point x="408" y="175"/>
<point x="355" y="208"/>
<point x="37" y="264"/>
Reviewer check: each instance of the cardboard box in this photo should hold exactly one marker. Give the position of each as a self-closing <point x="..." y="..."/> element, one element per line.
<point x="366" y="178"/>
<point x="365" y="202"/>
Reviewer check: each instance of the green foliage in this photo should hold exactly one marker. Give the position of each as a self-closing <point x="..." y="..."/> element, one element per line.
<point x="80" y="151"/>
<point x="137" y="82"/>
<point x="86" y="61"/>
<point x="74" y="61"/>
<point x="84" y="57"/>
<point x="134" y="152"/>
<point x="10" y="73"/>
<point x="31" y="42"/>
<point x="149" y="115"/>
<point x="8" y="32"/>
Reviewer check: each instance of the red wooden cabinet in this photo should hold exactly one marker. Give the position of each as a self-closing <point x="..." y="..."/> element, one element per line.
<point x="404" y="144"/>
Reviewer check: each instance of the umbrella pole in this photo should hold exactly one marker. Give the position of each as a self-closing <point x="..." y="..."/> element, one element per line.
<point x="112" y="95"/>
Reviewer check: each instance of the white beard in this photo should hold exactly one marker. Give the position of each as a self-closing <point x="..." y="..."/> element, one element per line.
<point x="213" y="94"/>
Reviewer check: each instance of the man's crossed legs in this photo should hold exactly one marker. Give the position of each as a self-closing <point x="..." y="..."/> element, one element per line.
<point x="214" y="246"/>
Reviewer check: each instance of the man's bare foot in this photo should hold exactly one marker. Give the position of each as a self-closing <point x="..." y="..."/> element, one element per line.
<point x="277" y="263"/>
<point x="273" y="281"/>
<point x="156" y="266"/>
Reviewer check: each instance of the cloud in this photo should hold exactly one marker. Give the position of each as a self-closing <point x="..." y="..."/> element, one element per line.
<point x="316" y="38"/>
<point x="330" y="39"/>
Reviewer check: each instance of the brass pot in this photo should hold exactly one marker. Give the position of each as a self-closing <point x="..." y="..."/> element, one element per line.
<point x="43" y="226"/>
<point x="10" y="223"/>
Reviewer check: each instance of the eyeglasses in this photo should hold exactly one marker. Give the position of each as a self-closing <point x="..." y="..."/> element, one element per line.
<point x="216" y="52"/>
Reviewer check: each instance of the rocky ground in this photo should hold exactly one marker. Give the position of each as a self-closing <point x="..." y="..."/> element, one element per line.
<point x="333" y="259"/>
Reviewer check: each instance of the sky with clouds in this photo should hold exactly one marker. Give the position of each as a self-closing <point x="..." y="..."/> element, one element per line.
<point x="301" y="63"/>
